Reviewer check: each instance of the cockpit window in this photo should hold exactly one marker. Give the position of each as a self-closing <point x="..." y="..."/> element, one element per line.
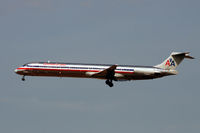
<point x="26" y="64"/>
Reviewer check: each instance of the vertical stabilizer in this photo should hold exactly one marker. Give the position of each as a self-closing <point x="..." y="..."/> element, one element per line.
<point x="174" y="60"/>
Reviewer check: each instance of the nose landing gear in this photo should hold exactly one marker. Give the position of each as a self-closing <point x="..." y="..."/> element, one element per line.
<point x="23" y="78"/>
<point x="109" y="82"/>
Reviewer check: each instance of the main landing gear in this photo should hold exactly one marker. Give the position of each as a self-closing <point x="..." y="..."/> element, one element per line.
<point x="109" y="82"/>
<point x="23" y="78"/>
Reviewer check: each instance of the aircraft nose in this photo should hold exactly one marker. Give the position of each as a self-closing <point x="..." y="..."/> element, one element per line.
<point x="16" y="70"/>
<point x="20" y="71"/>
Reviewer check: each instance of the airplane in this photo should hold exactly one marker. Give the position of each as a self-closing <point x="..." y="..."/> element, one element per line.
<point x="108" y="72"/>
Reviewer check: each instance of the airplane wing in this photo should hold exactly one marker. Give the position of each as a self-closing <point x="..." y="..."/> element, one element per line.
<point x="107" y="73"/>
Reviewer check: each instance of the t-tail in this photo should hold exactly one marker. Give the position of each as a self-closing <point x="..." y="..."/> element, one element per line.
<point x="174" y="60"/>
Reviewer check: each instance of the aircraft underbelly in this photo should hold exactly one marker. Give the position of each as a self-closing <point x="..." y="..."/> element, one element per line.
<point x="136" y="77"/>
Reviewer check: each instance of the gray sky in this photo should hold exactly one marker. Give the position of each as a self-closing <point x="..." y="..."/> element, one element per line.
<point x="138" y="32"/>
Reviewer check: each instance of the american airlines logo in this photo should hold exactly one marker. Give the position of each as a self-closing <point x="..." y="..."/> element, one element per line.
<point x="170" y="62"/>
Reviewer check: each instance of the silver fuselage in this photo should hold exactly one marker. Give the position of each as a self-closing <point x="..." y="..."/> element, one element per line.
<point x="121" y="73"/>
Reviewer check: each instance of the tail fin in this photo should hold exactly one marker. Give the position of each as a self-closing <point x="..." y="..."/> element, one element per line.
<point x="174" y="60"/>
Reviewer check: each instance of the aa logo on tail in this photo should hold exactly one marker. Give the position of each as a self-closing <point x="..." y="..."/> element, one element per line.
<point x="170" y="62"/>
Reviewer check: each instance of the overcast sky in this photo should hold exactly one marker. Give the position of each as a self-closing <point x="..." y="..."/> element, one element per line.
<point x="136" y="32"/>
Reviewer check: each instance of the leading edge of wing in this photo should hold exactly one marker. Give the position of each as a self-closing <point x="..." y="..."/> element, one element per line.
<point x="104" y="72"/>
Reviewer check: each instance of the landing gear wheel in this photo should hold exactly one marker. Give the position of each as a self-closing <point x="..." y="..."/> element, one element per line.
<point x="23" y="78"/>
<point x="109" y="83"/>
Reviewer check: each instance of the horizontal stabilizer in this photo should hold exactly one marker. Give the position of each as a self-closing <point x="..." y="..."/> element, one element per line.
<point x="188" y="56"/>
